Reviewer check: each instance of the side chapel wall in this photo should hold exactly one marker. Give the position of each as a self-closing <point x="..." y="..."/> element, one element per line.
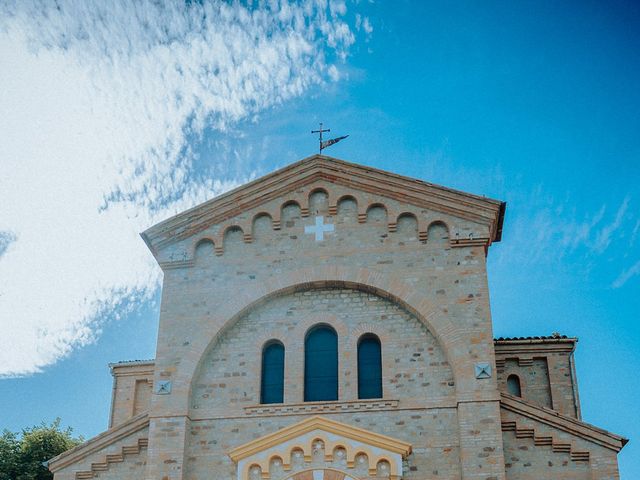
<point x="545" y="367"/>
<point x="132" y="384"/>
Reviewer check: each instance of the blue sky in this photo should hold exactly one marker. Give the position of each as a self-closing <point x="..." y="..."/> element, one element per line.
<point x="534" y="103"/>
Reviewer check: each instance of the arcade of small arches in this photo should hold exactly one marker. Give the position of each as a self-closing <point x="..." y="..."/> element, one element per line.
<point x="324" y="474"/>
<point x="436" y="229"/>
<point x="343" y="460"/>
<point x="319" y="448"/>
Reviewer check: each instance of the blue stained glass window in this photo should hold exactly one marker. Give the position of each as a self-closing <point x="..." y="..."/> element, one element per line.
<point x="272" y="385"/>
<point x="369" y="367"/>
<point x="321" y="364"/>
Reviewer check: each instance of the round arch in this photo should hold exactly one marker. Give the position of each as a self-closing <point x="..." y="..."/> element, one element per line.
<point x="300" y="474"/>
<point x="393" y="288"/>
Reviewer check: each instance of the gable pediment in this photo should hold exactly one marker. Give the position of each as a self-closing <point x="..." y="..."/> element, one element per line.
<point x="479" y="218"/>
<point x="319" y="444"/>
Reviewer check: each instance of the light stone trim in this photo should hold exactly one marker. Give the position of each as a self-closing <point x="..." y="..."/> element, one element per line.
<point x="321" y="407"/>
<point x="302" y="436"/>
<point x="300" y="474"/>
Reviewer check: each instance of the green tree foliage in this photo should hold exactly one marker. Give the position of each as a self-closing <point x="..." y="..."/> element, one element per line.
<point x="9" y="449"/>
<point x="22" y="456"/>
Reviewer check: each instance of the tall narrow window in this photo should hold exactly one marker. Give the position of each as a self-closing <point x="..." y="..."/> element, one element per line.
<point x="369" y="367"/>
<point x="321" y="364"/>
<point x="513" y="385"/>
<point x="272" y="384"/>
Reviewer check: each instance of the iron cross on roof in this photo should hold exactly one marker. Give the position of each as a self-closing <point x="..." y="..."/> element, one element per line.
<point x="329" y="142"/>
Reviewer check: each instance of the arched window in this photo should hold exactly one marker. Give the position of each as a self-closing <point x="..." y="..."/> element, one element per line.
<point x="513" y="385"/>
<point x="369" y="367"/>
<point x="272" y="383"/>
<point x="321" y="364"/>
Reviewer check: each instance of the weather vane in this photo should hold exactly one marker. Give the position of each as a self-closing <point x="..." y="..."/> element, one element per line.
<point x="326" y="143"/>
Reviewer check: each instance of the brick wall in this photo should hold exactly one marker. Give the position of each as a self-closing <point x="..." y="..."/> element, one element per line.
<point x="386" y="268"/>
<point x="435" y="454"/>
<point x="132" y="382"/>
<point x="545" y="368"/>
<point x="534" y="380"/>
<point x="415" y="370"/>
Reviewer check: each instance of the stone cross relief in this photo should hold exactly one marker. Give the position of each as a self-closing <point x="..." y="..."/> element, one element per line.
<point x="319" y="228"/>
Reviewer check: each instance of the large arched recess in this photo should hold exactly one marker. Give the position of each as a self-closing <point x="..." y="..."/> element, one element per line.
<point x="387" y="286"/>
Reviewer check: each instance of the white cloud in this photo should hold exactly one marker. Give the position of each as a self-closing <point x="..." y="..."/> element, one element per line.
<point x="552" y="230"/>
<point x="363" y="23"/>
<point x="6" y="239"/>
<point x="603" y="239"/>
<point x="625" y="276"/>
<point x="98" y="101"/>
<point x="634" y="234"/>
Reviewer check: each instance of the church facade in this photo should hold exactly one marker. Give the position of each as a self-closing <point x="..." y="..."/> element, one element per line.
<point x="331" y="321"/>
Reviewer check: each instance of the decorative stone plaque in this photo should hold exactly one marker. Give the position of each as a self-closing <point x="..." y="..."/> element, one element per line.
<point x="163" y="387"/>
<point x="483" y="370"/>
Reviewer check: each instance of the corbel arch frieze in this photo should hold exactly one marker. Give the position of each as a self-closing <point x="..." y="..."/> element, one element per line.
<point x="334" y="207"/>
<point x="329" y="192"/>
<point x="301" y="198"/>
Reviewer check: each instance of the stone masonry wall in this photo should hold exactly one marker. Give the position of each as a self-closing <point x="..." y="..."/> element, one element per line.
<point x="435" y="453"/>
<point x="545" y="369"/>
<point x="415" y="370"/>
<point x="132" y="383"/>
<point x="401" y="254"/>
<point x="416" y="375"/>
<point x="524" y="460"/>
<point x="534" y="380"/>
<point x="132" y="466"/>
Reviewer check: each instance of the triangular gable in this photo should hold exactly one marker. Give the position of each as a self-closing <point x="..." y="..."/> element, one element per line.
<point x="301" y="436"/>
<point x="421" y="194"/>
<point x="326" y="425"/>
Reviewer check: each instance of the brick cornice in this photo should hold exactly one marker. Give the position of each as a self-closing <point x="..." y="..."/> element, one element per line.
<point x="531" y="346"/>
<point x="134" y="368"/>
<point x="318" y="167"/>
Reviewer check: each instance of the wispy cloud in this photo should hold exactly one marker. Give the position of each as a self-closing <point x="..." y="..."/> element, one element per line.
<point x="545" y="231"/>
<point x="603" y="238"/>
<point x="99" y="103"/>
<point x="626" y="275"/>
<point x="634" y="234"/>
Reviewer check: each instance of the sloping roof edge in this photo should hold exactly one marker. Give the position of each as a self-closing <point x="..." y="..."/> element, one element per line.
<point x="99" y="442"/>
<point x="244" y="196"/>
<point x="535" y="339"/>
<point x="567" y="424"/>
